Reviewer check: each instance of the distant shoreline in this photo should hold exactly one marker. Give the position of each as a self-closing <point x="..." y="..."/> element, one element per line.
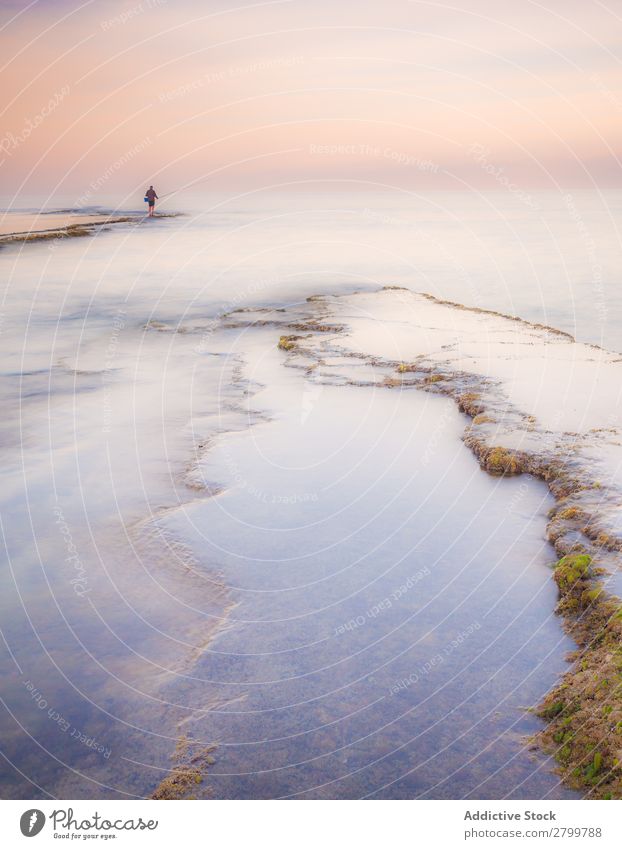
<point x="68" y="225"/>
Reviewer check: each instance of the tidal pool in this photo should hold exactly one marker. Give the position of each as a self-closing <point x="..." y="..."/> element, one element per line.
<point x="393" y="616"/>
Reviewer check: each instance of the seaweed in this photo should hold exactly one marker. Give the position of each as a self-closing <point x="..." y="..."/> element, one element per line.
<point x="288" y="343"/>
<point x="188" y="772"/>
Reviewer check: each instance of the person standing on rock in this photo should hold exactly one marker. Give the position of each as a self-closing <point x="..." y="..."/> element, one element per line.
<point x="150" y="197"/>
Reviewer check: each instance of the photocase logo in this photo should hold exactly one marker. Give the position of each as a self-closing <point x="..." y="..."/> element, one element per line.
<point x="32" y="822"/>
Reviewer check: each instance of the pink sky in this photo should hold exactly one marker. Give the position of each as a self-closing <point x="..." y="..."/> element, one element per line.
<point x="103" y="97"/>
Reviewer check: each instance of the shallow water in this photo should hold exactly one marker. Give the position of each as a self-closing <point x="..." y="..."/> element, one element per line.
<point x="120" y="568"/>
<point x="394" y="605"/>
<point x="556" y="262"/>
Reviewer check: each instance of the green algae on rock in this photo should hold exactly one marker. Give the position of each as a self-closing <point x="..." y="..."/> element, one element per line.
<point x="584" y="710"/>
<point x="288" y="343"/>
<point x="187" y="773"/>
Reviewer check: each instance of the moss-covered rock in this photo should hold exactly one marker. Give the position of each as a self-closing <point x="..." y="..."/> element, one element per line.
<point x="590" y="596"/>
<point x="571" y="569"/>
<point x="469" y="403"/>
<point x="571" y="513"/>
<point x="500" y="461"/>
<point x="288" y="343"/>
<point x="553" y="710"/>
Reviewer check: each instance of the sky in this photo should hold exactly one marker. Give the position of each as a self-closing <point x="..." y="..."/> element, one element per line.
<point x="103" y="97"/>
